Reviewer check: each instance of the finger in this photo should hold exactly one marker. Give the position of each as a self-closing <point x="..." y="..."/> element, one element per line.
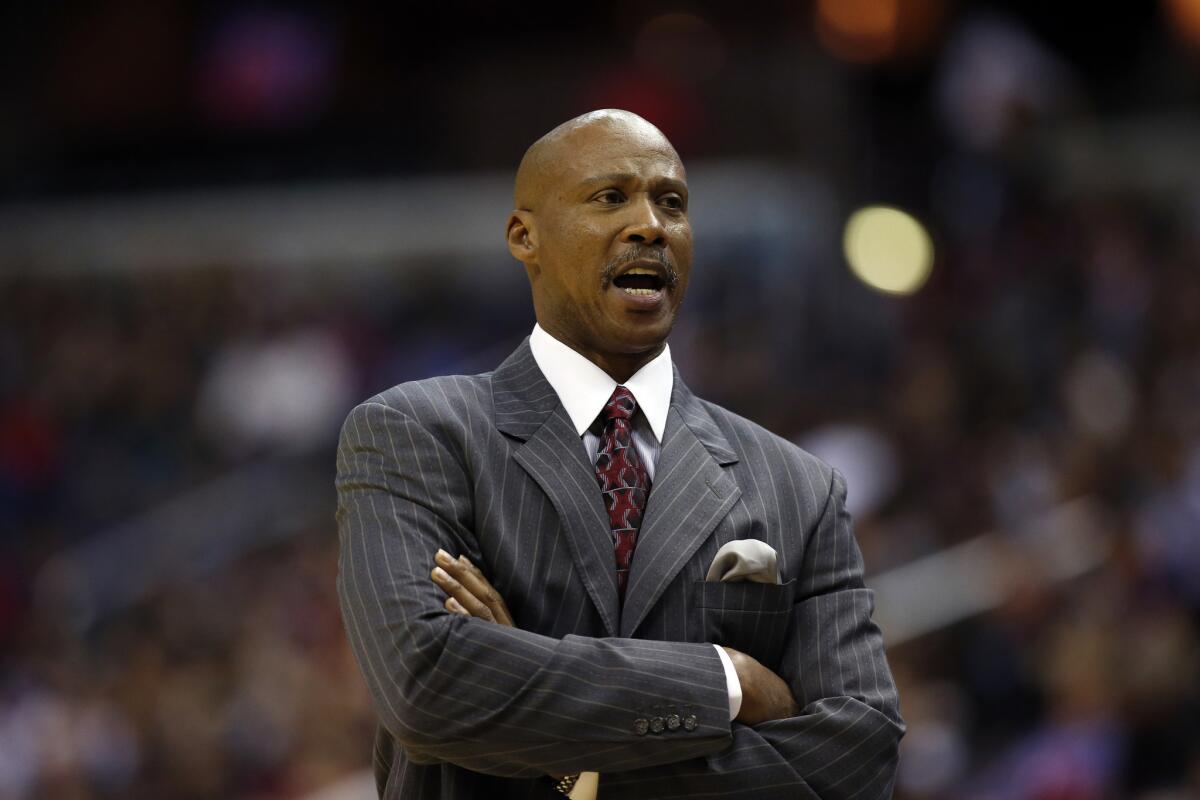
<point x="463" y="571"/>
<point x="454" y="575"/>
<point x="476" y="581"/>
<point x="456" y="590"/>
<point x="455" y="607"/>
<point x="460" y="595"/>
<point x="473" y="580"/>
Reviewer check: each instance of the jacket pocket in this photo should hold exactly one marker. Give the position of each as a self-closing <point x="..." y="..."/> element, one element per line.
<point x="747" y="616"/>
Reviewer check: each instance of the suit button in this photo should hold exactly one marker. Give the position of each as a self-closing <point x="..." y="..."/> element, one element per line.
<point x="640" y="726"/>
<point x="690" y="722"/>
<point x="673" y="722"/>
<point x="656" y="725"/>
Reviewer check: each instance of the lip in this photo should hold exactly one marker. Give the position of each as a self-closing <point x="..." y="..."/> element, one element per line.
<point x="642" y="302"/>
<point x="639" y="302"/>
<point x="646" y="263"/>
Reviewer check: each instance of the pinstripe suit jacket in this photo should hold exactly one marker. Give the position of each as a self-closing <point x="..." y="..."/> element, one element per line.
<point x="490" y="466"/>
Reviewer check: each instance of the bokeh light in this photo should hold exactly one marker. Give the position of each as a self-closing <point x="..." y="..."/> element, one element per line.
<point x="1184" y="16"/>
<point x="859" y="30"/>
<point x="868" y="31"/>
<point x="888" y="249"/>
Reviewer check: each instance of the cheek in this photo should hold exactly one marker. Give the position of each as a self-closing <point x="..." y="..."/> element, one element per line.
<point x="586" y="240"/>
<point x="581" y="256"/>
<point x="683" y="236"/>
<point x="680" y="237"/>
<point x="573" y="239"/>
<point x="683" y="253"/>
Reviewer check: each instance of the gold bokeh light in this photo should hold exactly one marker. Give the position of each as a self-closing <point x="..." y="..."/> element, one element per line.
<point x="888" y="249"/>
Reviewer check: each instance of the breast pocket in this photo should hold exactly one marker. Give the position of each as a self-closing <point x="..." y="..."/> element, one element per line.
<point x="747" y="616"/>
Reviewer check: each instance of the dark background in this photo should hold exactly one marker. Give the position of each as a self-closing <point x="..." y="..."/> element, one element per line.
<point x="223" y="224"/>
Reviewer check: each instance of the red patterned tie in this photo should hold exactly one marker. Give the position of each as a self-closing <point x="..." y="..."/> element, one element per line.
<point x="623" y="479"/>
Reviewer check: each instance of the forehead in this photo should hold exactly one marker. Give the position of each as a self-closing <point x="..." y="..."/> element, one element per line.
<point x="640" y="151"/>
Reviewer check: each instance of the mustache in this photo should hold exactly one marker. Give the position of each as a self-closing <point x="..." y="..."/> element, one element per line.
<point x="640" y="253"/>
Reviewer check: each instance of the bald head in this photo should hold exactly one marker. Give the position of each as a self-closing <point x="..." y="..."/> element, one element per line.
<point x="602" y="229"/>
<point x="545" y="161"/>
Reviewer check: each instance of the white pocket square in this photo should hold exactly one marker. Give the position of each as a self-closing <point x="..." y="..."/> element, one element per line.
<point x="744" y="560"/>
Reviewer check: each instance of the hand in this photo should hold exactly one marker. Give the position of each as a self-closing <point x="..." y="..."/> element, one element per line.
<point x="765" y="695"/>
<point x="469" y="592"/>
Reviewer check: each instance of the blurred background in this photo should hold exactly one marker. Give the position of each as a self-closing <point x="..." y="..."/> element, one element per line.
<point x="951" y="247"/>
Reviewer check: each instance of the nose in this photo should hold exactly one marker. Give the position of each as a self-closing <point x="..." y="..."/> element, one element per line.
<point x="644" y="227"/>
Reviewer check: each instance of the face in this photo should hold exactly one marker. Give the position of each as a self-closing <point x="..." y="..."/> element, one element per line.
<point x="610" y="243"/>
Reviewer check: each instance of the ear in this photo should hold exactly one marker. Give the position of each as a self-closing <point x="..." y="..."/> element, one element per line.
<point x="522" y="240"/>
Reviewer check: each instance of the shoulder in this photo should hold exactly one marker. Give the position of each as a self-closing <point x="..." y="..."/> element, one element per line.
<point x="445" y="406"/>
<point x="437" y="399"/>
<point x="758" y="449"/>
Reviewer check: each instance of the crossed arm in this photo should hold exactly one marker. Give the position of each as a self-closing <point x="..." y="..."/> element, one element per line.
<point x="765" y="696"/>
<point x="498" y="700"/>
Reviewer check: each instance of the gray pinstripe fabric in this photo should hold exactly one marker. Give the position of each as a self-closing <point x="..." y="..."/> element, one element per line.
<point x="490" y="466"/>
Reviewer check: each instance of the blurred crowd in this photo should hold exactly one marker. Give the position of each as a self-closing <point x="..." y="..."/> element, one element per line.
<point x="237" y="687"/>
<point x="120" y="393"/>
<point x="1061" y="360"/>
<point x="1053" y="356"/>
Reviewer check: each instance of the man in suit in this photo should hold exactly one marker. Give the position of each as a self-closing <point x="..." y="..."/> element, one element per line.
<point x="583" y="491"/>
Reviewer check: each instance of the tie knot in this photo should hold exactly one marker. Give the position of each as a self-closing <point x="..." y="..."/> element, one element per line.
<point x="621" y="405"/>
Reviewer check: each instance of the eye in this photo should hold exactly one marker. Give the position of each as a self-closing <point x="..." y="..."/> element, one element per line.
<point x="672" y="201"/>
<point x="609" y="197"/>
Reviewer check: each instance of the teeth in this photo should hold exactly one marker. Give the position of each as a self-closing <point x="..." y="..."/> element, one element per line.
<point x="640" y="271"/>
<point x="643" y="292"/>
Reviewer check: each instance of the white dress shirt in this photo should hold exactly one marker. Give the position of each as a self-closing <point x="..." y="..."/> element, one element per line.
<point x="584" y="389"/>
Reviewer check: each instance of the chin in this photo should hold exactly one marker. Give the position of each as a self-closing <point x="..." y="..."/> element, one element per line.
<point x="641" y="339"/>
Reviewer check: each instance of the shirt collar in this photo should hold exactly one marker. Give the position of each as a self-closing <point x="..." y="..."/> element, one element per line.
<point x="584" y="388"/>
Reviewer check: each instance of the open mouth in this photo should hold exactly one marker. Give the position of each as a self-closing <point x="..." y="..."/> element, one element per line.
<point x="640" y="282"/>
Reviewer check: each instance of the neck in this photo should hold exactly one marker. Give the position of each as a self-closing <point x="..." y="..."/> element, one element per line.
<point x="622" y="367"/>
<point x="619" y="366"/>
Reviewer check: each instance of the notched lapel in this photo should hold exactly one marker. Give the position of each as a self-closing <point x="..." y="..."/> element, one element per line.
<point x="527" y="408"/>
<point x="691" y="493"/>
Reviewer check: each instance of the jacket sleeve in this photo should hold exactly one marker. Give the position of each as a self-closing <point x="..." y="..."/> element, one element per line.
<point x="844" y="742"/>
<point x="486" y="697"/>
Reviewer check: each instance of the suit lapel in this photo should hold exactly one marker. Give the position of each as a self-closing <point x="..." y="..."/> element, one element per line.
<point x="691" y="493"/>
<point x="528" y="409"/>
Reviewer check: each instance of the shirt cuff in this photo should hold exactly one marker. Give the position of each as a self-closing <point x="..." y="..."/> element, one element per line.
<point x="731" y="683"/>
